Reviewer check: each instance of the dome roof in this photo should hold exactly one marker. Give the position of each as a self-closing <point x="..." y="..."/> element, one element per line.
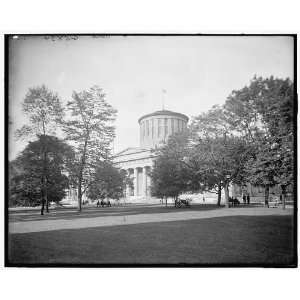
<point x="164" y="112"/>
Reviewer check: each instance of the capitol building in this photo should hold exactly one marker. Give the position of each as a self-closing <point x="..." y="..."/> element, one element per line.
<point x="155" y="128"/>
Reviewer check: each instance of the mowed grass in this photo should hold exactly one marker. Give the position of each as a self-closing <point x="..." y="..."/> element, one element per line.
<point x="92" y="212"/>
<point x="263" y="240"/>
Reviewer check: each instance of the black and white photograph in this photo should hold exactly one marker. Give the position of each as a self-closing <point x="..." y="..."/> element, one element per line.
<point x="159" y="150"/>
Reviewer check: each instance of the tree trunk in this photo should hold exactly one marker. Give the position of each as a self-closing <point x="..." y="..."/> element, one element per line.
<point x="166" y="201"/>
<point x="226" y="191"/>
<point x="283" y="188"/>
<point x="79" y="192"/>
<point x="82" y="165"/>
<point x="43" y="204"/>
<point x="46" y="195"/>
<point x="267" y="189"/>
<point x="45" y="187"/>
<point x="219" y="194"/>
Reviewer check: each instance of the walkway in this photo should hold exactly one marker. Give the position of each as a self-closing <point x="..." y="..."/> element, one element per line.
<point x="77" y="223"/>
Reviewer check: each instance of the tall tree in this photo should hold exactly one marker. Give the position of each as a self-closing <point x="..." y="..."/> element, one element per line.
<point x="219" y="154"/>
<point x="27" y="171"/>
<point x="90" y="129"/>
<point x="262" y="113"/>
<point x="171" y="175"/>
<point x="45" y="112"/>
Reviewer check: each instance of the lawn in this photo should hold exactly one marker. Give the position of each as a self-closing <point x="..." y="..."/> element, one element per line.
<point x="263" y="240"/>
<point x="91" y="212"/>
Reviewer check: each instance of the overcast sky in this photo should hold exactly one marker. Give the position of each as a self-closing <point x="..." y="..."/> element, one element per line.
<point x="197" y="72"/>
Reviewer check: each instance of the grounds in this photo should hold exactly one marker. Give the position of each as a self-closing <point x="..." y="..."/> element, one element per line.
<point x="203" y="234"/>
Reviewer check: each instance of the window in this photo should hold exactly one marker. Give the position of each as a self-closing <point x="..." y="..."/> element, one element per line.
<point x="178" y="128"/>
<point x="172" y="126"/>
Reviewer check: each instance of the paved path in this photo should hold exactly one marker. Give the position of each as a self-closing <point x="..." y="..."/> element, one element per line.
<point x="58" y="224"/>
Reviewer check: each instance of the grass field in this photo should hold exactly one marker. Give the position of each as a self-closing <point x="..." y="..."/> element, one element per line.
<point x="263" y="240"/>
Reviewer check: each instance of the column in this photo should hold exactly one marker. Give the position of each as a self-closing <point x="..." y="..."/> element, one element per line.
<point x="135" y="182"/>
<point x="149" y="181"/>
<point x="127" y="186"/>
<point x="169" y="127"/>
<point x="144" y="189"/>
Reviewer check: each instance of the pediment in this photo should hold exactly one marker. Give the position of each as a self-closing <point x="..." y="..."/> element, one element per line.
<point x="131" y="150"/>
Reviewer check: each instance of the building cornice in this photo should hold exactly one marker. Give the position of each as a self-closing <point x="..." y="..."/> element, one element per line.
<point x="163" y="113"/>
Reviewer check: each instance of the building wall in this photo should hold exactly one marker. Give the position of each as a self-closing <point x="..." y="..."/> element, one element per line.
<point x="156" y="129"/>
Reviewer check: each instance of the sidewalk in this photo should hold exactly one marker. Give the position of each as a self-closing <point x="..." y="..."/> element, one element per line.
<point x="58" y="224"/>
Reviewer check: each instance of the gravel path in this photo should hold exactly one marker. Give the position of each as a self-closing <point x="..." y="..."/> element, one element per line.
<point x="76" y="223"/>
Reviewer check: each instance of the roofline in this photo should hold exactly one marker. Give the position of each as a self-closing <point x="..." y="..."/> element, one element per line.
<point x="137" y="149"/>
<point x="162" y="112"/>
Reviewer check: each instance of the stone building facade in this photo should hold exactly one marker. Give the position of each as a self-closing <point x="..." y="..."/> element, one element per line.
<point x="155" y="128"/>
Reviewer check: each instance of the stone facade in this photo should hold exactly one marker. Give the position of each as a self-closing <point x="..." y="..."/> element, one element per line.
<point x="155" y="129"/>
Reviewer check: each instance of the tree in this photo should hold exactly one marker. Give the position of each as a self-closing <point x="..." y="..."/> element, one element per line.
<point x="108" y="182"/>
<point x="170" y="175"/>
<point x="219" y="155"/>
<point x="27" y="172"/>
<point x="45" y="112"/>
<point x="262" y="113"/>
<point x="90" y="129"/>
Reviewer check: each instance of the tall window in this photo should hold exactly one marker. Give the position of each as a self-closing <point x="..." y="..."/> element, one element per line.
<point x="178" y="123"/>
<point x="147" y="127"/>
<point x="166" y="126"/>
<point x="172" y="126"/>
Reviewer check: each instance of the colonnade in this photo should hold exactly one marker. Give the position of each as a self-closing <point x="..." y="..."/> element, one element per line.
<point x="141" y="181"/>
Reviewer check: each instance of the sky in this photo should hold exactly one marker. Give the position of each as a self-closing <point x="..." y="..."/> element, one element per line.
<point x="195" y="71"/>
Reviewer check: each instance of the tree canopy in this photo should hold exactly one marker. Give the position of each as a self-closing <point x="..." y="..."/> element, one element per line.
<point x="108" y="182"/>
<point x="45" y="112"/>
<point x="89" y="127"/>
<point x="27" y="171"/>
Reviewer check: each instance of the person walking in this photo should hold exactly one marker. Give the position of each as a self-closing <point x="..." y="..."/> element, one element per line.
<point x="248" y="198"/>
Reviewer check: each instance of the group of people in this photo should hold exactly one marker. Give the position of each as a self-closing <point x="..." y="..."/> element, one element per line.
<point x="103" y="203"/>
<point x="235" y="201"/>
<point x="246" y="198"/>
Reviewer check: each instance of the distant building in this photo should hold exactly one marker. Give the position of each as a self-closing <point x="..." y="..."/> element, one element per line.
<point x="155" y="128"/>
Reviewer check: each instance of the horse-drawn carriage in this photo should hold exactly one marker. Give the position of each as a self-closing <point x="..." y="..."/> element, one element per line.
<point x="182" y="202"/>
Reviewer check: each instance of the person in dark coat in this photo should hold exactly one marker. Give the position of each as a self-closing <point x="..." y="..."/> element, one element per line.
<point x="98" y="203"/>
<point x="244" y="198"/>
<point x="248" y="199"/>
